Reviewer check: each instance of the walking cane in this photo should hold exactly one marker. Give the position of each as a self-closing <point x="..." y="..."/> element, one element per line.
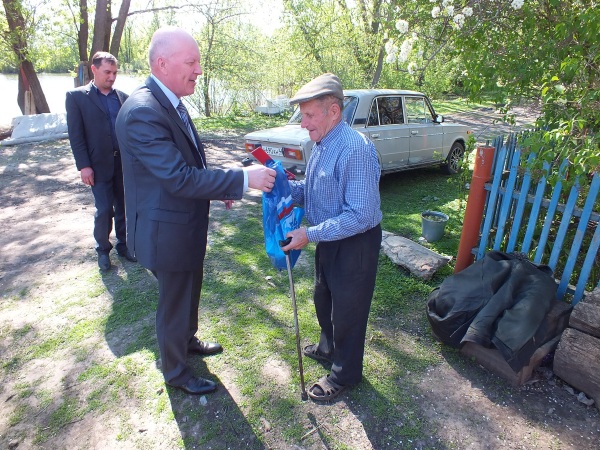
<point x="293" y="295"/>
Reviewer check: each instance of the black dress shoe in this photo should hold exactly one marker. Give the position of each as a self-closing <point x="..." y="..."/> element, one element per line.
<point x="103" y="261"/>
<point x="125" y="254"/>
<point x="204" y="348"/>
<point x="196" y="386"/>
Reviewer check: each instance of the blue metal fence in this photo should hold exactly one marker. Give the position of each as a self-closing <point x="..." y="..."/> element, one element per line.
<point x="566" y="238"/>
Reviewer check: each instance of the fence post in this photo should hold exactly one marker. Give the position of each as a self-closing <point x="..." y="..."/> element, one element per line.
<point x="484" y="158"/>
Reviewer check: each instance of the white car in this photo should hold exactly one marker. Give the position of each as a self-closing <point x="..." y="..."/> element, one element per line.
<point x="403" y="125"/>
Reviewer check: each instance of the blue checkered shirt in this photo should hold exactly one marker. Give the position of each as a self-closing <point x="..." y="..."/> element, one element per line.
<point x="340" y="192"/>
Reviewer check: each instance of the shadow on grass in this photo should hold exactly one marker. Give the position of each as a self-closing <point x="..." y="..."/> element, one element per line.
<point x="213" y="420"/>
<point x="387" y="401"/>
<point x="128" y="326"/>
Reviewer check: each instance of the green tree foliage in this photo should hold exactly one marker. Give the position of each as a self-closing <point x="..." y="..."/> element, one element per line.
<point x="57" y="51"/>
<point x="334" y="37"/>
<point x="547" y="50"/>
<point x="223" y="50"/>
<point x="283" y="66"/>
<point x="133" y="57"/>
<point x="512" y="50"/>
<point x="419" y="43"/>
<point x="9" y="58"/>
<point x="570" y="88"/>
<point x="367" y="44"/>
<point x="244" y="64"/>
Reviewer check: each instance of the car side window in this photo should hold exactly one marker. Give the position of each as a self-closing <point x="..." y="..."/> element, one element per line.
<point x="350" y="104"/>
<point x="417" y="111"/>
<point x="373" y="115"/>
<point x="386" y="111"/>
<point x="391" y="108"/>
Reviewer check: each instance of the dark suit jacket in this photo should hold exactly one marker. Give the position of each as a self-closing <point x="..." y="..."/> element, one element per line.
<point x="89" y="131"/>
<point x="167" y="192"/>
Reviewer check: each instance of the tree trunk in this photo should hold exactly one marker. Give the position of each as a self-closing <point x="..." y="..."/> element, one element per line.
<point x="31" y="82"/>
<point x="100" y="39"/>
<point x="115" y="44"/>
<point x="28" y="79"/>
<point x="378" y="68"/>
<point x="83" y="31"/>
<point x="206" y="95"/>
<point x="107" y="27"/>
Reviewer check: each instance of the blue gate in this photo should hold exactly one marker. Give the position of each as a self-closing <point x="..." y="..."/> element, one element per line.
<point x="535" y="219"/>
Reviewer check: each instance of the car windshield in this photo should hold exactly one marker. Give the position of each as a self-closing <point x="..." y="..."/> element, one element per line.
<point x="348" y="112"/>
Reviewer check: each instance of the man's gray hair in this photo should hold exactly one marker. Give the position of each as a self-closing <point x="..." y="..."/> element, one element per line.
<point x="161" y="43"/>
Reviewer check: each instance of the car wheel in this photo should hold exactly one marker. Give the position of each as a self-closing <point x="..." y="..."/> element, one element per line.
<point x="453" y="162"/>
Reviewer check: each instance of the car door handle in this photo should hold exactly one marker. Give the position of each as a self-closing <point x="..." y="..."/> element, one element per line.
<point x="376" y="135"/>
<point x="414" y="132"/>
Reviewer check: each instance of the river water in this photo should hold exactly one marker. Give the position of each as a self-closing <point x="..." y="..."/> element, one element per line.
<point x="55" y="87"/>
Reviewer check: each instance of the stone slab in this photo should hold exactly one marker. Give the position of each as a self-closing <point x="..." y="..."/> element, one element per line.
<point x="418" y="260"/>
<point x="37" y="128"/>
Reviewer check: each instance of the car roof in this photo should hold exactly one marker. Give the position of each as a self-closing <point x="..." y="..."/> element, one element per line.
<point x="364" y="92"/>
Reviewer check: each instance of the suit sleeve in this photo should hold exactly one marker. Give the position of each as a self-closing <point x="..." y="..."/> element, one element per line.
<point x="76" y="129"/>
<point x="150" y="138"/>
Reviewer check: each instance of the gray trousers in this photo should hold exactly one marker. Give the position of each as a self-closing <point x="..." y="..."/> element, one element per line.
<point x="177" y="321"/>
<point x="109" y="200"/>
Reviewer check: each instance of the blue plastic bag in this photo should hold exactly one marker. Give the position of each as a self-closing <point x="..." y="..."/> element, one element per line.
<point x="279" y="217"/>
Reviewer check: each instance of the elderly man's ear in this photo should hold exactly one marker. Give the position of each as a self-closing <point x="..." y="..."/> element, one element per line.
<point x="335" y="108"/>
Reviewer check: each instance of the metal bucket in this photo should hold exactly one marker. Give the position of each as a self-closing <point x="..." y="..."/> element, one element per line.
<point x="433" y="224"/>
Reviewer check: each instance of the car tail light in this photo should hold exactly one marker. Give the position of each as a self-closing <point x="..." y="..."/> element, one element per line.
<point x="250" y="147"/>
<point x="292" y="153"/>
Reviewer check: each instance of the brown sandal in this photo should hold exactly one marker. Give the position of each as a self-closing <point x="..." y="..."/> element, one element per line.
<point x="325" y="390"/>
<point x="312" y="351"/>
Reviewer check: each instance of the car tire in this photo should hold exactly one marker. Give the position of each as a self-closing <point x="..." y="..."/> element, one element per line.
<point x="453" y="163"/>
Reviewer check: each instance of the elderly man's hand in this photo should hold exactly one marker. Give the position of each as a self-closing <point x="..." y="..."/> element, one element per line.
<point x="260" y="177"/>
<point x="299" y="240"/>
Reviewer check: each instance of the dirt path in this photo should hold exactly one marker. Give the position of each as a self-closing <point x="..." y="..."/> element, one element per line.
<point x="46" y="215"/>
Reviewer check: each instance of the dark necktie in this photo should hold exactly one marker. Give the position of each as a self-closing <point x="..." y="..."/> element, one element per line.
<point x="185" y="117"/>
<point x="186" y="120"/>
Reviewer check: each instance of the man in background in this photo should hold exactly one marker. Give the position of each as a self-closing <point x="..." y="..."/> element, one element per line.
<point x="91" y="114"/>
<point x="168" y="189"/>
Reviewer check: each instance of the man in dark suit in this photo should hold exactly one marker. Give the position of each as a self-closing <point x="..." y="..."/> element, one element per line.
<point x="91" y="115"/>
<point x="168" y="189"/>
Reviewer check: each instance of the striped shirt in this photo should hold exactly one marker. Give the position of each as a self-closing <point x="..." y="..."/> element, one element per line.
<point x="340" y="192"/>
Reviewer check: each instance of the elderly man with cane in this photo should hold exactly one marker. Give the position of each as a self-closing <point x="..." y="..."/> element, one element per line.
<point x="340" y="194"/>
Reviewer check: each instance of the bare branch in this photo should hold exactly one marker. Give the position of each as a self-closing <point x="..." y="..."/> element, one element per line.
<point x="162" y="8"/>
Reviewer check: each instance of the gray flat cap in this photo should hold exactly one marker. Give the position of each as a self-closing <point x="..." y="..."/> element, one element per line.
<point x="324" y="84"/>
